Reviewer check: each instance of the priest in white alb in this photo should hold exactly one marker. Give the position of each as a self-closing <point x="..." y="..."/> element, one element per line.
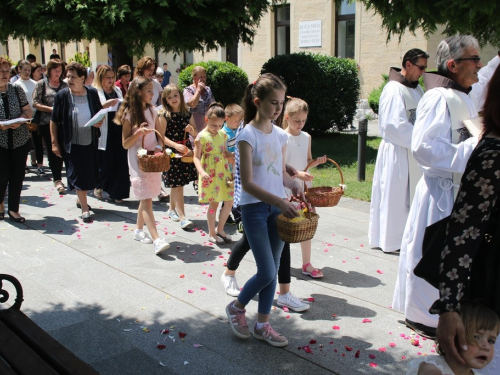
<point x="441" y="145"/>
<point x="391" y="192"/>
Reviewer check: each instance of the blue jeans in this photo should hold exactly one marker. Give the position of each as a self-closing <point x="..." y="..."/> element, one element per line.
<point x="259" y="221"/>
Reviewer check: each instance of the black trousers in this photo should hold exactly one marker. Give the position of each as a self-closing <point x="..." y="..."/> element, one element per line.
<point x="55" y="163"/>
<point x="36" y="138"/>
<point x="12" y="168"/>
<point x="242" y="247"/>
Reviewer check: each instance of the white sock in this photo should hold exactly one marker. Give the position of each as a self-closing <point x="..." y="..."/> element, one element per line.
<point x="260" y="325"/>
<point x="137" y="230"/>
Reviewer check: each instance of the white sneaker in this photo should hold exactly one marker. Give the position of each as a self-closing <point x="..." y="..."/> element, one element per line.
<point x="292" y="302"/>
<point x="230" y="285"/>
<point x="160" y="245"/>
<point x="142" y="237"/>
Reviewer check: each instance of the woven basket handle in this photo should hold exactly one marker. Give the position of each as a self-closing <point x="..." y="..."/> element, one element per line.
<point x="330" y="160"/>
<point x="159" y="136"/>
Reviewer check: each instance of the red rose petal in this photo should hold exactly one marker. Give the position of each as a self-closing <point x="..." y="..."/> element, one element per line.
<point x="371" y="356"/>
<point x="161" y="346"/>
<point x="307" y="349"/>
<point x="373" y="364"/>
<point x="336" y="327"/>
<point x="392" y="344"/>
<point x="367" y="320"/>
<point x="182" y="334"/>
<point x="312" y="342"/>
<point x="311" y="299"/>
<point x="357" y="354"/>
<point x="382" y="349"/>
<point x="348" y="348"/>
<point x="380" y="272"/>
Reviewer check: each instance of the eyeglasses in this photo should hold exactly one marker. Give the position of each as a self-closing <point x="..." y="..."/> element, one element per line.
<point x="475" y="60"/>
<point x="422" y="68"/>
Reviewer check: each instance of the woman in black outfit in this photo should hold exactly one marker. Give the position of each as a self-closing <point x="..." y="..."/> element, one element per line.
<point x="73" y="108"/>
<point x="14" y="145"/>
<point x="43" y="101"/>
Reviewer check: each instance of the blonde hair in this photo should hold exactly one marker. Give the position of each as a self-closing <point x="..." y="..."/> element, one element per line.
<point x="101" y="73"/>
<point x="233" y="109"/>
<point x="132" y="104"/>
<point x="197" y="69"/>
<point x="293" y="106"/>
<point x="167" y="110"/>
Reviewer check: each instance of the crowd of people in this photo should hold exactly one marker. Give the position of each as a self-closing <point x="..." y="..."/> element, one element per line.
<point x="251" y="160"/>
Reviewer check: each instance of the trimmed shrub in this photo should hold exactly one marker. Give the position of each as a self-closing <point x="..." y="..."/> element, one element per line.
<point x="227" y="81"/>
<point x="329" y="85"/>
<point x="374" y="97"/>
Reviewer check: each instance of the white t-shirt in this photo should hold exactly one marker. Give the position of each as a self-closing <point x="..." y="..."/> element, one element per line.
<point x="157" y="90"/>
<point x="28" y="87"/>
<point x="267" y="160"/>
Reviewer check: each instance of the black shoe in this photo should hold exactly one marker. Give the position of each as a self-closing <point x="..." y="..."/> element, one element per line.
<point x="16" y="219"/>
<point x="230" y="220"/>
<point x="422" y="330"/>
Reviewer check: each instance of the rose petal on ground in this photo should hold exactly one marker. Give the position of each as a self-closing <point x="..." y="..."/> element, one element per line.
<point x="288" y="316"/>
<point x="367" y="320"/>
<point x="312" y="342"/>
<point x="311" y="299"/>
<point x="307" y="349"/>
<point x="203" y="288"/>
<point x="403" y="357"/>
<point x="161" y="346"/>
<point x="182" y="276"/>
<point x="336" y="328"/>
<point x="164" y="331"/>
<point x="392" y="344"/>
<point x="348" y="348"/>
<point x="382" y="349"/>
<point x="357" y="354"/>
<point x="371" y="356"/>
<point x="325" y="250"/>
<point x="182" y="334"/>
<point x="380" y="272"/>
<point x="190" y="291"/>
<point x="285" y="309"/>
<point x="118" y="237"/>
<point x="373" y="364"/>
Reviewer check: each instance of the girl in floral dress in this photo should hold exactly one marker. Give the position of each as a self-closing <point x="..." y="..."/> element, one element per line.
<point x="210" y="159"/>
<point x="176" y="123"/>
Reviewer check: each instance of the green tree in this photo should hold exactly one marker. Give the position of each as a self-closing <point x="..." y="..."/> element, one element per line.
<point x="129" y="25"/>
<point x="478" y="18"/>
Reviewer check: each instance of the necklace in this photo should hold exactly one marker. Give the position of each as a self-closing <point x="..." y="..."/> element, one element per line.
<point x="296" y="140"/>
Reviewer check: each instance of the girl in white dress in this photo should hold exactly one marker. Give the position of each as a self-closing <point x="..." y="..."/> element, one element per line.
<point x="481" y="330"/>
<point x="298" y="155"/>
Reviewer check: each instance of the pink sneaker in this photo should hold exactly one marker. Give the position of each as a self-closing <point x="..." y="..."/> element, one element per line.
<point x="237" y="322"/>
<point x="268" y="334"/>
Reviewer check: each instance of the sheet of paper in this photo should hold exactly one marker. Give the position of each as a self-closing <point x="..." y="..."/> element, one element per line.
<point x="97" y="117"/>
<point x="14" y="121"/>
<point x="115" y="107"/>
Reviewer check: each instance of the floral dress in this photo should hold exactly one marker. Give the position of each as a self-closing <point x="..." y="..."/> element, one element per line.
<point x="468" y="224"/>
<point x="180" y="173"/>
<point x="214" y="162"/>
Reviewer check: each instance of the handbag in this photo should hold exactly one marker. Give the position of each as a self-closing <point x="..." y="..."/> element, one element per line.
<point x="434" y="243"/>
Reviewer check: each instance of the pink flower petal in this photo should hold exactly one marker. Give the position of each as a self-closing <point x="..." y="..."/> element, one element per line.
<point x="382" y="349"/>
<point x="285" y="309"/>
<point x="190" y="291"/>
<point x="336" y="328"/>
<point x="392" y="344"/>
<point x="307" y="349"/>
<point x="311" y="299"/>
<point x="380" y="272"/>
<point x="203" y="288"/>
<point x="373" y="364"/>
<point x="367" y="320"/>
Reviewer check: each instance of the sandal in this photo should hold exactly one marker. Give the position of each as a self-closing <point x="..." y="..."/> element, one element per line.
<point x="86" y="217"/>
<point x="227" y="238"/>
<point x="98" y="193"/>
<point x="16" y="219"/>
<point x="79" y="205"/>
<point x="60" y="186"/>
<point x="315" y="273"/>
<point x="216" y="239"/>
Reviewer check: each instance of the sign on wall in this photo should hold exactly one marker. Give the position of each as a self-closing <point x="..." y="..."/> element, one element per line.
<point x="310" y="34"/>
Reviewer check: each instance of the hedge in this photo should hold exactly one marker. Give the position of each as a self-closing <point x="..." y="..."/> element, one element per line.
<point x="227" y="81"/>
<point x="328" y="84"/>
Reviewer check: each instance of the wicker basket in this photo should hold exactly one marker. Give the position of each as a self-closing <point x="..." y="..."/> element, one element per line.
<point x="188" y="156"/>
<point x="299" y="231"/>
<point x="155" y="163"/>
<point x="325" y="196"/>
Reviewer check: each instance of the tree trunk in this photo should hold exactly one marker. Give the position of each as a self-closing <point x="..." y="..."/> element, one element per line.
<point x="121" y="56"/>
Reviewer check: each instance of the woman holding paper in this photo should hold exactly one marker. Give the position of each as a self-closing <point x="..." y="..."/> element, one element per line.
<point x="13" y="142"/>
<point x="114" y="177"/>
<point x="74" y="107"/>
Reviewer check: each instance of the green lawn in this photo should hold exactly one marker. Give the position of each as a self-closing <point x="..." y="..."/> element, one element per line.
<point x="343" y="148"/>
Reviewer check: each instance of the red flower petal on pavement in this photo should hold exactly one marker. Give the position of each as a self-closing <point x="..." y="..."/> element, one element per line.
<point x="204" y="273"/>
<point x="288" y="316"/>
<point x="182" y="276"/>
<point x="311" y="299"/>
<point x="382" y="349"/>
<point x="392" y="344"/>
<point x="348" y="348"/>
<point x="357" y="354"/>
<point x="415" y="342"/>
<point x="380" y="272"/>
<point x="182" y="334"/>
<point x="367" y="320"/>
<point x="161" y="346"/>
<point x="221" y="256"/>
<point x="164" y="331"/>
<point x="190" y="291"/>
<point x="312" y="342"/>
<point x="285" y="309"/>
<point x="371" y="356"/>
<point x="307" y="349"/>
<point x="373" y="364"/>
<point x="203" y="288"/>
<point x="336" y="327"/>
<point x="116" y="236"/>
